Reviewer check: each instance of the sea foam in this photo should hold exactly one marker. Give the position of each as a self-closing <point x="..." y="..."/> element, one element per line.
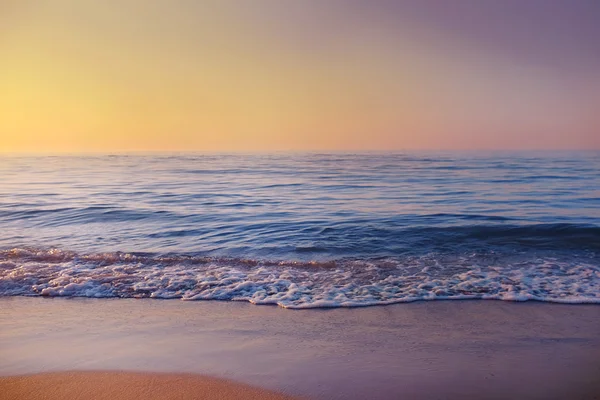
<point x="290" y="284"/>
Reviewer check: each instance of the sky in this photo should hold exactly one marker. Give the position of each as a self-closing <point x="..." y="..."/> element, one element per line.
<point x="283" y="75"/>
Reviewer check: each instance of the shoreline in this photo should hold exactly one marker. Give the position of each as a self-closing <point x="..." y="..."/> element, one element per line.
<point x="563" y="302"/>
<point x="420" y="350"/>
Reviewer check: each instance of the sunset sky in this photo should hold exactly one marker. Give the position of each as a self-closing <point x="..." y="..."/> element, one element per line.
<point x="264" y="75"/>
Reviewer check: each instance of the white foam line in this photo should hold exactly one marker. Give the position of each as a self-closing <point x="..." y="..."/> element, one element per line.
<point x="289" y="285"/>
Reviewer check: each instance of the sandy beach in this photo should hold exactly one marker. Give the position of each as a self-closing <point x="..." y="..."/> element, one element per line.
<point x="424" y="350"/>
<point x="127" y="385"/>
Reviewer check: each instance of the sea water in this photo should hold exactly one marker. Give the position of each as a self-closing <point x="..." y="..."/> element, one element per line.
<point x="303" y="230"/>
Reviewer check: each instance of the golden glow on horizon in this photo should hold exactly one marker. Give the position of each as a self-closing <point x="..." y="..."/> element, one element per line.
<point x="148" y="76"/>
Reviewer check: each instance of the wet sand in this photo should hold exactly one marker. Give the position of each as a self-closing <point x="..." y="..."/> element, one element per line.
<point x="425" y="350"/>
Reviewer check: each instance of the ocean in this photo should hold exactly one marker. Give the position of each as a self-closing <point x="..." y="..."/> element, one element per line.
<point x="303" y="230"/>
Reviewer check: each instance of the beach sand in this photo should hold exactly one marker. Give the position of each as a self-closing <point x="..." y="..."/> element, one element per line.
<point x="104" y="385"/>
<point x="423" y="350"/>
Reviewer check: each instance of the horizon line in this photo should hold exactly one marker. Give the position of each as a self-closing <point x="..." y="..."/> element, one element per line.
<point x="313" y="151"/>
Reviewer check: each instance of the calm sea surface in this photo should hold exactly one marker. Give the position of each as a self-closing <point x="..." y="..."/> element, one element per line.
<point x="303" y="230"/>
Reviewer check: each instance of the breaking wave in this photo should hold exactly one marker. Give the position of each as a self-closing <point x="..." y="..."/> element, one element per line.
<point x="293" y="284"/>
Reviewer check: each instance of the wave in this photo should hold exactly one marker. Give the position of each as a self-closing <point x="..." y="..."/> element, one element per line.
<point x="557" y="235"/>
<point x="337" y="233"/>
<point x="293" y="284"/>
<point x="77" y="216"/>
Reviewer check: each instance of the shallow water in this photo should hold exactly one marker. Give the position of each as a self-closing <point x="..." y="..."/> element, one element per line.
<point x="303" y="230"/>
